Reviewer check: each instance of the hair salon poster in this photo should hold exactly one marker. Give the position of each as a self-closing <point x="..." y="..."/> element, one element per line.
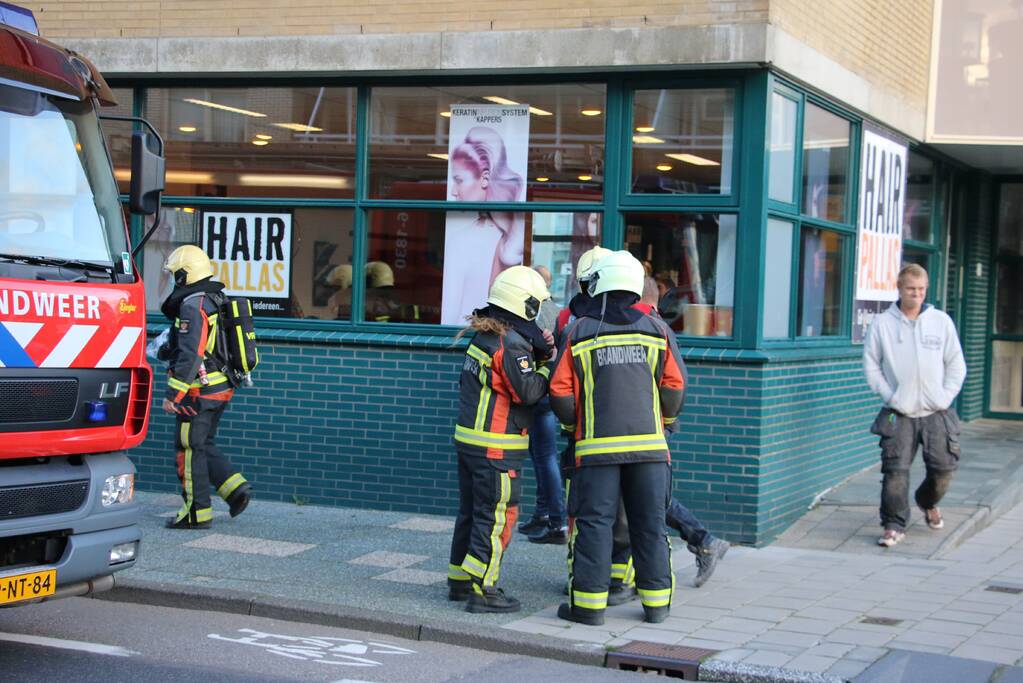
<point x="251" y="255"/>
<point x="488" y="150"/>
<point x="879" y="237"/>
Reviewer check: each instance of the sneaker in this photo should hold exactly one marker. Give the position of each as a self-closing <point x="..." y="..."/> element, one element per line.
<point x="619" y="594"/>
<point x="590" y="617"/>
<point x="933" y="518"/>
<point x="459" y="591"/>
<point x="185" y="523"/>
<point x="534" y="524"/>
<point x="655" y="615"/>
<point x="556" y="535"/>
<point x="890" y="537"/>
<point x="491" y="599"/>
<point x="239" y="499"/>
<point x="707" y="556"/>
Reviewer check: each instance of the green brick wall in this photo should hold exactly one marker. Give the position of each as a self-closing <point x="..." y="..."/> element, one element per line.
<point x="370" y="426"/>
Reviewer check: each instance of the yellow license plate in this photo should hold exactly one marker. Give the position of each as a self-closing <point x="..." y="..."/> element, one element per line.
<point x="27" y="586"/>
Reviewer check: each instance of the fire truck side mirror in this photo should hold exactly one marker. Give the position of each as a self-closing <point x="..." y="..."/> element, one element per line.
<point x="147" y="175"/>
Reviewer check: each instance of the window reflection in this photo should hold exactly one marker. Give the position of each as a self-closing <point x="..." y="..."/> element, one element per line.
<point x="825" y="164"/>
<point x="783" y="148"/>
<point x="820" y="282"/>
<point x="916" y="224"/>
<point x="682" y="141"/>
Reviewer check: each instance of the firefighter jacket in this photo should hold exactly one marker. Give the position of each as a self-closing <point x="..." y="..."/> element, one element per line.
<point x="619" y="389"/>
<point x="197" y="353"/>
<point x="499" y="384"/>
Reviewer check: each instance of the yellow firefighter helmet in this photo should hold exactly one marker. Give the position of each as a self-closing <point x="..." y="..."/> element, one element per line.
<point x="379" y="274"/>
<point x="340" y="276"/>
<point x="188" y="264"/>
<point x="519" y="290"/>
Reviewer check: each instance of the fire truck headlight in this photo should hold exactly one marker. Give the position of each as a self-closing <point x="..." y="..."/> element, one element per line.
<point x="118" y="489"/>
<point x="125" y="552"/>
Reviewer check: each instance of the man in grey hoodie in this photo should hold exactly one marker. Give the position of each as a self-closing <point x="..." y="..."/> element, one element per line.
<point x="913" y="361"/>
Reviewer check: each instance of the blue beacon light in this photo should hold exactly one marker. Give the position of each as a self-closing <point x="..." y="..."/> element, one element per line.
<point x="97" y="411"/>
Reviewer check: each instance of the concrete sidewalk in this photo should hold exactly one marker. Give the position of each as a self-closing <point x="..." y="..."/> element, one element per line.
<point x="823" y="599"/>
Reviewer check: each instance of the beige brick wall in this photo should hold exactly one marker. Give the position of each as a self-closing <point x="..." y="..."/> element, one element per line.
<point x="193" y="18"/>
<point x="886" y="42"/>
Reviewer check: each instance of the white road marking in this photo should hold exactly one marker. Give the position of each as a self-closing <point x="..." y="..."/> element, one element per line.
<point x="319" y="649"/>
<point x="95" y="648"/>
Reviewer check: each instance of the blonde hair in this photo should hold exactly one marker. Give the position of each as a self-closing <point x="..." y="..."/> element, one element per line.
<point x="912" y="270"/>
<point x="479" y="323"/>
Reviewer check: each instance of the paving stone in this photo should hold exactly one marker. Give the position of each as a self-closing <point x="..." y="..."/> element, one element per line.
<point x="989" y="608"/>
<point x="812" y="663"/>
<point x="741" y="625"/>
<point x="830" y="650"/>
<point x="383" y="558"/>
<point x="988" y="653"/>
<point x="768" y="658"/>
<point x="946" y="641"/>
<point x="997" y="640"/>
<point x="967" y="617"/>
<point x="734" y="655"/>
<point x="847" y="668"/>
<point x="733" y="637"/>
<point x="906" y="667"/>
<point x="248" y="545"/>
<point x="789" y="638"/>
<point x="654" y="635"/>
<point x="950" y="627"/>
<point x="427" y="524"/>
<point x="898" y="644"/>
<point x="864" y="653"/>
<point x="816" y="626"/>
<point x="857" y="637"/>
<point x="829" y="614"/>
<point x="1011" y="675"/>
<point x="417" y="577"/>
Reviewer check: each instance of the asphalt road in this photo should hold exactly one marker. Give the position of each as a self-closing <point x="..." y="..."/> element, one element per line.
<point x="82" y="640"/>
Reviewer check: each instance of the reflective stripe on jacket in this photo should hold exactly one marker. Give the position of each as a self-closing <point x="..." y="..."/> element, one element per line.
<point x="499" y="384"/>
<point x="619" y="390"/>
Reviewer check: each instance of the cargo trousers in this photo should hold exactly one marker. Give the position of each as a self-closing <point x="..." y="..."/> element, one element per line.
<point x="200" y="461"/>
<point x="937" y="435"/>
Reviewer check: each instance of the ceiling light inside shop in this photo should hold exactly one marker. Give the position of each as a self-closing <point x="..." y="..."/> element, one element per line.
<point x="299" y="127"/>
<point x="325" y="182"/>
<point x="186" y="177"/>
<point x="443" y="157"/>
<point x="446" y="114"/>
<point x="591" y="112"/>
<point x="693" y="159"/>
<point x="647" y="140"/>
<point x="187" y="129"/>
<point x="260" y="143"/>
<point x="585" y="177"/>
<point x="224" y="107"/>
<point x="645" y="129"/>
<point x="542" y="179"/>
<point x="663" y="167"/>
<point x="504" y="100"/>
<point x="264" y="136"/>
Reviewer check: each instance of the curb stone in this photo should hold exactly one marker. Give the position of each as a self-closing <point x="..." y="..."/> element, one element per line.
<point x="505" y="641"/>
<point x="989" y="511"/>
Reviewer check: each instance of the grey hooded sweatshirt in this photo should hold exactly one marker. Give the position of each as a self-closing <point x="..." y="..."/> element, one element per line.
<point x="915" y="366"/>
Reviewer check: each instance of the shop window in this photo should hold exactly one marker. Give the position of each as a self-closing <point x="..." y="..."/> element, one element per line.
<point x="1009" y="261"/>
<point x="118" y="136"/>
<point x="437" y="267"/>
<point x="1007" y="376"/>
<point x="920" y="257"/>
<point x="682" y="141"/>
<point x="256" y="142"/>
<point x="293" y="263"/>
<point x="692" y="258"/>
<point x="782" y="162"/>
<point x="919" y="211"/>
<point x="777" y="279"/>
<point x="821" y="274"/>
<point x="519" y="142"/>
<point x="825" y="164"/>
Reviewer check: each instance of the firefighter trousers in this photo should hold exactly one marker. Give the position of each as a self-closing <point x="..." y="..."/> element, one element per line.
<point x="593" y="501"/>
<point x="200" y="462"/>
<point x="488" y="500"/>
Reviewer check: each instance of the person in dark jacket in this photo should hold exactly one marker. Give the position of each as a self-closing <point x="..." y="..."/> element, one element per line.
<point x="503" y="376"/>
<point x="619" y="381"/>
<point x="199" y="388"/>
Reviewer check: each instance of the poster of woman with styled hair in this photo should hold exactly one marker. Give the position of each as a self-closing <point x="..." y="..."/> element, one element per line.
<point x="487" y="157"/>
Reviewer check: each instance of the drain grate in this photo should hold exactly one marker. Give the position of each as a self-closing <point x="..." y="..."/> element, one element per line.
<point x="1011" y="590"/>
<point x="673" y="661"/>
<point x="881" y="621"/>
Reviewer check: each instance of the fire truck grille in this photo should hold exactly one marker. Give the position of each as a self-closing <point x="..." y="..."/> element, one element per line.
<point x="37" y="400"/>
<point x="45" y="499"/>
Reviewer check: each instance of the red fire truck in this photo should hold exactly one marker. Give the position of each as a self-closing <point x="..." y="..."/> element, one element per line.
<point x="75" y="387"/>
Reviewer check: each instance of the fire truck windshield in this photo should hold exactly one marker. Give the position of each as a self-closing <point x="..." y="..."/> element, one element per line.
<point x="58" y="197"/>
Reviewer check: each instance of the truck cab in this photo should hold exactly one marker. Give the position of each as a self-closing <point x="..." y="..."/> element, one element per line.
<point x="75" y="388"/>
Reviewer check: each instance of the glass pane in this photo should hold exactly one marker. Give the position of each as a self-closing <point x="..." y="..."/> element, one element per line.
<point x="919" y="257"/>
<point x="1009" y="298"/>
<point x="118" y="136"/>
<point x="257" y="142"/>
<point x="783" y="148"/>
<point x="820" y="283"/>
<point x="682" y="141"/>
<point x="293" y="263"/>
<point x="692" y="258"/>
<point x="436" y="267"/>
<point x="825" y="164"/>
<point x="1007" y="376"/>
<point x="777" y="279"/>
<point x="916" y="224"/>
<point x="1010" y="220"/>
<point x="509" y="143"/>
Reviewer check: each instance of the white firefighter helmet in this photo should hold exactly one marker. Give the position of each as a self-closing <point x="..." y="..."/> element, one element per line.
<point x="519" y="290"/>
<point x="584" y="268"/>
<point x="618" y="271"/>
<point x="188" y="264"/>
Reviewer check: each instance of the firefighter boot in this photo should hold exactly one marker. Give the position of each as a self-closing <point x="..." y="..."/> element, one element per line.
<point x="619" y="594"/>
<point x="186" y="523"/>
<point x="490" y="599"/>
<point x="239" y="499"/>
<point x="655" y="615"/>
<point x="590" y="617"/>
<point x="459" y="591"/>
